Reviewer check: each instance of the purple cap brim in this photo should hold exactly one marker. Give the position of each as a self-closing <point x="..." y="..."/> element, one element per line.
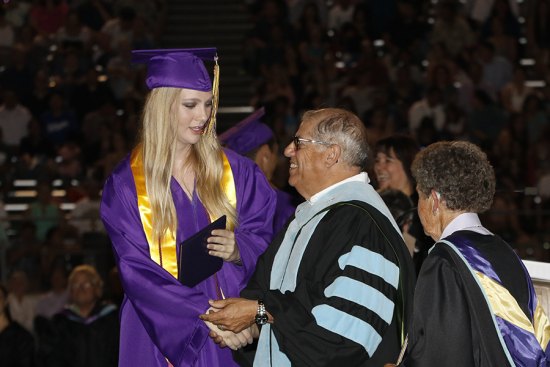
<point x="247" y="135"/>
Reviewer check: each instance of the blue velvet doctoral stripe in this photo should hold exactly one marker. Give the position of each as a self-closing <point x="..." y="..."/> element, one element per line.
<point x="362" y="294"/>
<point x="371" y="262"/>
<point x="348" y="326"/>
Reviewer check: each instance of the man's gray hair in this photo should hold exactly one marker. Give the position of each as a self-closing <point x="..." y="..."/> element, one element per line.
<point x="344" y="128"/>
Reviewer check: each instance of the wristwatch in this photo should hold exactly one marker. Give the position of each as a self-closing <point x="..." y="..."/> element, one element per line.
<point x="261" y="317"/>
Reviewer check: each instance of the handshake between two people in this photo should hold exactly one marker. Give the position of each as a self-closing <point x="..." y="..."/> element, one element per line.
<point x="232" y="322"/>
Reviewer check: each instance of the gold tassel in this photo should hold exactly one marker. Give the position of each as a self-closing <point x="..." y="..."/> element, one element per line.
<point x="211" y="129"/>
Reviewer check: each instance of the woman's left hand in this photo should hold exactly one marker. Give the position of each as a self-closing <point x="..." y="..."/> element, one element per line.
<point x="222" y="244"/>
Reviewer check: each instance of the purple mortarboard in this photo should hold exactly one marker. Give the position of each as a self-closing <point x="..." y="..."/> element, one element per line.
<point x="248" y="134"/>
<point x="179" y="68"/>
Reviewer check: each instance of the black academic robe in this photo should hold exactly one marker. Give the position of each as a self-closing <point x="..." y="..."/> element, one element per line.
<point x="452" y="324"/>
<point x="16" y="346"/>
<point x="298" y="335"/>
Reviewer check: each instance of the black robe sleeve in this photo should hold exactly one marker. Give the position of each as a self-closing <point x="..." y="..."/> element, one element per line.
<point x="323" y="265"/>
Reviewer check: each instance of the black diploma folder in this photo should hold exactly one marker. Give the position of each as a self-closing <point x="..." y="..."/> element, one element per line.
<point x="194" y="262"/>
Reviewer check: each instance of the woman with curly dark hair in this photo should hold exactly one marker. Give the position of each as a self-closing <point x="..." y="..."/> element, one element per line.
<point x="474" y="303"/>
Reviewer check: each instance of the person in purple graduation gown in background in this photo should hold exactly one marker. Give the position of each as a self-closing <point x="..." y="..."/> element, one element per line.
<point x="176" y="181"/>
<point x="254" y="139"/>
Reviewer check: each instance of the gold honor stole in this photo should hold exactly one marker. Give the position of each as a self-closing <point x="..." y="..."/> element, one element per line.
<point x="164" y="253"/>
<point x="504" y="305"/>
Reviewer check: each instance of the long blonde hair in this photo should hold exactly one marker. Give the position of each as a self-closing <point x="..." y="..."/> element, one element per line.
<point x="158" y="137"/>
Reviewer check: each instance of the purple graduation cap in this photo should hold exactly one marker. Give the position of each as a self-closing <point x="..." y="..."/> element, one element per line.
<point x="248" y="134"/>
<point x="178" y="68"/>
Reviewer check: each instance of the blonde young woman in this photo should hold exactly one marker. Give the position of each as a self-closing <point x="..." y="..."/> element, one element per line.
<point x="176" y="181"/>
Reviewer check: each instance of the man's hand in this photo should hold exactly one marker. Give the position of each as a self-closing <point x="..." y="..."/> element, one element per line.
<point x="233" y="314"/>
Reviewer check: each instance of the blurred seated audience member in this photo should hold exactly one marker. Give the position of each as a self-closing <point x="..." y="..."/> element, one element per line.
<point x="59" y="122"/>
<point x="393" y="159"/>
<point x="35" y="142"/>
<point x="56" y="297"/>
<point x="47" y="16"/>
<point x="73" y="33"/>
<point x="24" y="251"/>
<point x="497" y="71"/>
<point x="68" y="160"/>
<point x="44" y="211"/>
<point x="17" y="75"/>
<point x="402" y="209"/>
<point x="7" y="34"/>
<point x="94" y="13"/>
<point x="450" y="28"/>
<point x="536" y="117"/>
<point x="6" y="155"/>
<point x="21" y="302"/>
<point x="85" y="215"/>
<point x="502" y="219"/>
<point x="16" y="343"/>
<point x="17" y="12"/>
<point x="514" y="93"/>
<point x="485" y="120"/>
<point x="91" y="95"/>
<point x="120" y="28"/>
<point x="86" y="332"/>
<point x="429" y="106"/>
<point x="37" y="100"/>
<point x="14" y="118"/>
<point x="31" y="165"/>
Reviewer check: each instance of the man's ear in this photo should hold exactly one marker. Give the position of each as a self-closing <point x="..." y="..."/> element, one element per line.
<point x="333" y="155"/>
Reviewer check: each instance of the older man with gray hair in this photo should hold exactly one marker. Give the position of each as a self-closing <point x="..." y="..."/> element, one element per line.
<point x="335" y="286"/>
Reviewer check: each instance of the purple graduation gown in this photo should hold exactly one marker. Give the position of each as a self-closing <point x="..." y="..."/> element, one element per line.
<point x="159" y="316"/>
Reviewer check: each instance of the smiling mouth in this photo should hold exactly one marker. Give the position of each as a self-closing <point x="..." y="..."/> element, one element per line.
<point x="198" y="129"/>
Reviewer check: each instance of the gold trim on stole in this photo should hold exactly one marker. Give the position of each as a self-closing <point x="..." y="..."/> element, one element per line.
<point x="506" y="307"/>
<point x="164" y="253"/>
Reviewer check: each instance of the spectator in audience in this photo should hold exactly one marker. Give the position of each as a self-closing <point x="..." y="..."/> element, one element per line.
<point x="47" y="16"/>
<point x="59" y="121"/>
<point x="430" y="106"/>
<point x="86" y="332"/>
<point x="7" y="34"/>
<point x="55" y="298"/>
<point x="24" y="251"/>
<point x="450" y="28"/>
<point x="485" y="120"/>
<point x="515" y="92"/>
<point x="85" y="215"/>
<point x="16" y="343"/>
<point x="402" y="209"/>
<point x="14" y="119"/>
<point x="44" y="212"/>
<point x="120" y="28"/>
<point x="340" y="13"/>
<point x="94" y="13"/>
<point x="22" y="303"/>
<point x="496" y="70"/>
<point x="393" y="159"/>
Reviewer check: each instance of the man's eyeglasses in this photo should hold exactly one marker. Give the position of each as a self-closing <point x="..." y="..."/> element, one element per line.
<point x="299" y="141"/>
